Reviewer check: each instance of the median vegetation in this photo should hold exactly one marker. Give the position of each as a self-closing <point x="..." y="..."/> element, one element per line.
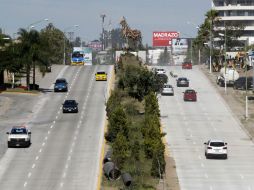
<point x="133" y="133"/>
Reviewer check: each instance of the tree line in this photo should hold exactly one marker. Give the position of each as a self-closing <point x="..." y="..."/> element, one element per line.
<point x="32" y="49"/>
<point x="134" y="129"/>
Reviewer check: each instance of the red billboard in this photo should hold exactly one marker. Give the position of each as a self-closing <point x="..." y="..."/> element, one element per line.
<point x="164" y="38"/>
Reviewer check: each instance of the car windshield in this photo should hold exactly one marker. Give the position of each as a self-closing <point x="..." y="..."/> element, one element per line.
<point x="182" y="79"/>
<point x="77" y="55"/>
<point x="217" y="144"/>
<point x="18" y="131"/>
<point x="60" y="81"/>
<point x="189" y="91"/>
<point x="101" y="73"/>
<point x="69" y="102"/>
<point x="167" y="86"/>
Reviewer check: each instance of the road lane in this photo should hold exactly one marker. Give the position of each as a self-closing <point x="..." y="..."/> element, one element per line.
<point x="189" y="124"/>
<point x="66" y="147"/>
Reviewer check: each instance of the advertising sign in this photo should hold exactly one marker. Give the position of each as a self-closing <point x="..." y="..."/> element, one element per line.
<point x="179" y="46"/>
<point x="161" y="39"/>
<point x="95" y="45"/>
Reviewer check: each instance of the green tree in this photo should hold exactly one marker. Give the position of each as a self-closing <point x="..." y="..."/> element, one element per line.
<point x="118" y="123"/>
<point x="164" y="57"/>
<point x="121" y="149"/>
<point x="29" y="49"/>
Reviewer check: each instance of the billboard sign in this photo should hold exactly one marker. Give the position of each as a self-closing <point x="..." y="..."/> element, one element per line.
<point x="161" y="39"/>
<point x="180" y="46"/>
<point x="96" y="45"/>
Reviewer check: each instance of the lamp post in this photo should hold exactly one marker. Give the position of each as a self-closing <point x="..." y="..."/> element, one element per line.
<point x="64" y="31"/>
<point x="35" y="23"/>
<point x="225" y="57"/>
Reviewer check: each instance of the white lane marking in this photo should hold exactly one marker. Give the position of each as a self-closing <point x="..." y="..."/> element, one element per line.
<point x="61" y="184"/>
<point x="33" y="166"/>
<point x="202" y="165"/>
<point x="64" y="175"/>
<point x="29" y="174"/>
<point x="48" y="132"/>
<point x="58" y="111"/>
<point x="206" y="176"/>
<point x="69" y="158"/>
<point x="46" y="138"/>
<point x="215" y="129"/>
<point x="54" y="122"/>
<point x="56" y="116"/>
<point x="66" y="166"/>
<point x="242" y="176"/>
<point x="51" y="126"/>
<point x="194" y="143"/>
<point x="199" y="157"/>
<point x="40" y="150"/>
<point x="25" y="184"/>
<point x="211" y="187"/>
<point x="37" y="157"/>
<point x="43" y="144"/>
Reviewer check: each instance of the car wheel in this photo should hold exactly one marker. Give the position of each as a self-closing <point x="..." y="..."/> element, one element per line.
<point x="226" y="157"/>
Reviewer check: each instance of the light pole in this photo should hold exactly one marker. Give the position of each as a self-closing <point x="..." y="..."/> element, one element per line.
<point x="225" y="57"/>
<point x="102" y="35"/>
<point x="64" y="31"/>
<point x="35" y="23"/>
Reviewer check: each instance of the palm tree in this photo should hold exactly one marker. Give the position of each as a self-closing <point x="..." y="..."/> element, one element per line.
<point x="29" y="49"/>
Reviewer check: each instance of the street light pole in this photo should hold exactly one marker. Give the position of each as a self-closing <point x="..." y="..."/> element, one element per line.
<point x="35" y="23"/>
<point x="211" y="45"/>
<point x="64" y="32"/>
<point x="225" y="55"/>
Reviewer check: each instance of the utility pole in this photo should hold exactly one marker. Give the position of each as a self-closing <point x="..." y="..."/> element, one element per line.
<point x="102" y="34"/>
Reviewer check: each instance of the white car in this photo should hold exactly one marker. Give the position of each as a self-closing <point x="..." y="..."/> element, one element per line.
<point x="160" y="71"/>
<point x="19" y="136"/>
<point x="216" y="148"/>
<point x="167" y="90"/>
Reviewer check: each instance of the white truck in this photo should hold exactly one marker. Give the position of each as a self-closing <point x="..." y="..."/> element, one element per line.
<point x="19" y="136"/>
<point x="230" y="75"/>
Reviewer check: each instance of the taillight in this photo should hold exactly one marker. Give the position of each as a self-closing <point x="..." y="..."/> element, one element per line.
<point x="209" y="147"/>
<point x="225" y="148"/>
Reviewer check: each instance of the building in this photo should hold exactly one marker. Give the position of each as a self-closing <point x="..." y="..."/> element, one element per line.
<point x="241" y="11"/>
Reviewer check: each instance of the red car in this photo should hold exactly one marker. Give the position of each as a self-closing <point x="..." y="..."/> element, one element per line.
<point x="186" y="65"/>
<point x="190" y="95"/>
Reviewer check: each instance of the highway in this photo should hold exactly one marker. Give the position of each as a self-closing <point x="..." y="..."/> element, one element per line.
<point x="66" y="148"/>
<point x="189" y="124"/>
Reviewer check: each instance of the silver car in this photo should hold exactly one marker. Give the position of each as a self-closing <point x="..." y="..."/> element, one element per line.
<point x="167" y="90"/>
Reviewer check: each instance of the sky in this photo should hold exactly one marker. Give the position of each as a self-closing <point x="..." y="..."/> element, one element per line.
<point x="145" y="15"/>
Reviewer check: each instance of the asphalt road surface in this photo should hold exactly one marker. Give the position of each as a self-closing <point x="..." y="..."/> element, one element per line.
<point x="189" y="124"/>
<point x="66" y="148"/>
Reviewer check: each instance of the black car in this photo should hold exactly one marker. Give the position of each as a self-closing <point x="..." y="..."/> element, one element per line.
<point x="182" y="82"/>
<point x="70" y="106"/>
<point x="241" y="83"/>
<point x="61" y="85"/>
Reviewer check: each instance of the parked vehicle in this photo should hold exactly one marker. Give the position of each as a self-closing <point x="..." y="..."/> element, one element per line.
<point x="167" y="90"/>
<point x="241" y="83"/>
<point x="182" y="82"/>
<point x="61" y="85"/>
<point x="216" y="148"/>
<point x="186" y="65"/>
<point x="19" y="136"/>
<point x="190" y="95"/>
<point x="230" y="74"/>
<point x="160" y="71"/>
<point x="70" y="106"/>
